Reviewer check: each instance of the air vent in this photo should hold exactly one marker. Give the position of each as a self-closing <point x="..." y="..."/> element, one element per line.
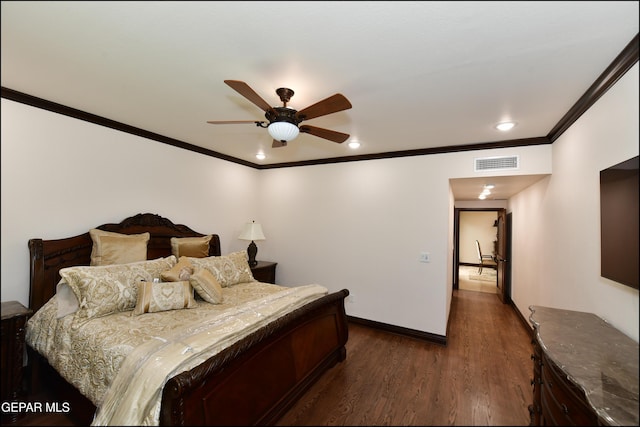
<point x="496" y="163"/>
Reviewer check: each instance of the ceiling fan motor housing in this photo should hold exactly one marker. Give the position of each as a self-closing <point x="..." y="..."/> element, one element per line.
<point x="282" y="114"/>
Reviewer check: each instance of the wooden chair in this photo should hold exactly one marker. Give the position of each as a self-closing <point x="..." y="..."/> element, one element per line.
<point x="483" y="258"/>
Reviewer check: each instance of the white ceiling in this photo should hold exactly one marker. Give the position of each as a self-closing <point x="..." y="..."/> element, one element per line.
<point x="419" y="74"/>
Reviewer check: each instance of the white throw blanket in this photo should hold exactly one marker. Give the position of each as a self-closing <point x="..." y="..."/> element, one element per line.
<point x="134" y="397"/>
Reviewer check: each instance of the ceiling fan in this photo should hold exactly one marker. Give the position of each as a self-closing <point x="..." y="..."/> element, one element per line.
<point x="283" y="121"/>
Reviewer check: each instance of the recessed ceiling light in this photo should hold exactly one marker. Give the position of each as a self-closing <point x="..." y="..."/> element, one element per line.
<point x="505" y="126"/>
<point x="260" y="156"/>
<point x="486" y="191"/>
<point x="354" y="144"/>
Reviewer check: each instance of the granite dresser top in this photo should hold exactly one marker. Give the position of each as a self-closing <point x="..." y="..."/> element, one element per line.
<point x="596" y="357"/>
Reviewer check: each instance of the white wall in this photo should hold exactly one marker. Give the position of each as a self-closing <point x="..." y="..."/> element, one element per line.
<point x="362" y="226"/>
<point x="556" y="222"/>
<point x="62" y="176"/>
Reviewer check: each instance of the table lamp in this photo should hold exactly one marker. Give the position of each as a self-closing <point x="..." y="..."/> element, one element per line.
<point x="252" y="231"/>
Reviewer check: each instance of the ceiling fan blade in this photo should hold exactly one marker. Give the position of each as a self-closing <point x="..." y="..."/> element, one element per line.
<point x="330" y="105"/>
<point x="277" y="144"/>
<point x="234" y="122"/>
<point x="243" y="89"/>
<point x="331" y="135"/>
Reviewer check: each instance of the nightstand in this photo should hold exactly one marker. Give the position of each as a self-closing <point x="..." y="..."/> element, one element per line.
<point x="265" y="271"/>
<point x="14" y="319"/>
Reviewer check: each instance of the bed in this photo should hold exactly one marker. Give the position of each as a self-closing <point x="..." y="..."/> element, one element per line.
<point x="246" y="378"/>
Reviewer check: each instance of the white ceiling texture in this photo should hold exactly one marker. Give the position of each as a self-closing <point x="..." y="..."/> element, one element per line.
<point x="420" y="75"/>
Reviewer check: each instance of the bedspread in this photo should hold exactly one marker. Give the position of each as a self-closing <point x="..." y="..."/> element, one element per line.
<point x="121" y="362"/>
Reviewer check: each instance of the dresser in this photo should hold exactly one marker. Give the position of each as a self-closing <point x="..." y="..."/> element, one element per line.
<point x="585" y="372"/>
<point x="14" y="319"/>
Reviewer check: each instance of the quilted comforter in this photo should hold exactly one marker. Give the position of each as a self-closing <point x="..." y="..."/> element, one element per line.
<point x="121" y="361"/>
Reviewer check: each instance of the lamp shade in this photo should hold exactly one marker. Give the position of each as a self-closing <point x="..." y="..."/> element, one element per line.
<point x="283" y="131"/>
<point x="251" y="231"/>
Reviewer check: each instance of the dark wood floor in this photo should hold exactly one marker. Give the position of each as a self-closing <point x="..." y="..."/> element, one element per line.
<point x="481" y="377"/>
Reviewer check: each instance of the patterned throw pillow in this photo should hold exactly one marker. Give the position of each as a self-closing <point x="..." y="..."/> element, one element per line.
<point x="103" y="290"/>
<point x="228" y="269"/>
<point x="207" y="286"/>
<point x="115" y="248"/>
<point x="162" y="296"/>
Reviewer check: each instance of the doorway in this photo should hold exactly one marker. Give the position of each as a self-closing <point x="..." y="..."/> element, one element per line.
<point x="489" y="227"/>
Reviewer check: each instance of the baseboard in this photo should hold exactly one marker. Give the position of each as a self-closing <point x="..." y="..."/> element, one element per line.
<point x="523" y="319"/>
<point x="411" y="333"/>
<point x="467" y="264"/>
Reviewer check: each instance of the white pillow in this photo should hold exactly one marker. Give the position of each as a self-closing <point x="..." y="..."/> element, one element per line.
<point x="66" y="299"/>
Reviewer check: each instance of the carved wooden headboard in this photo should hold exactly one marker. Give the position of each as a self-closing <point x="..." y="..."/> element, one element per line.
<point x="47" y="257"/>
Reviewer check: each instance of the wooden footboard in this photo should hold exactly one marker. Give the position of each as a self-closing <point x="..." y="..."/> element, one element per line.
<point x="255" y="381"/>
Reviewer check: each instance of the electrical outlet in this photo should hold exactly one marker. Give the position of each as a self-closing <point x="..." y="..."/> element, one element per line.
<point x="425" y="257"/>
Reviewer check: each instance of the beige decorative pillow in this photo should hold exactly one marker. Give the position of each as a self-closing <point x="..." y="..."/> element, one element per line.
<point x="229" y="269"/>
<point x="163" y="296"/>
<point x="103" y="290"/>
<point x="207" y="286"/>
<point x="115" y="248"/>
<point x="197" y="247"/>
<point x="181" y="271"/>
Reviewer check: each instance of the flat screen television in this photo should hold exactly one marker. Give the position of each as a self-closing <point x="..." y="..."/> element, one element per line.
<point x="619" y="218"/>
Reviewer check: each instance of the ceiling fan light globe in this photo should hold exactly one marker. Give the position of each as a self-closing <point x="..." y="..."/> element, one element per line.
<point x="283" y="131"/>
